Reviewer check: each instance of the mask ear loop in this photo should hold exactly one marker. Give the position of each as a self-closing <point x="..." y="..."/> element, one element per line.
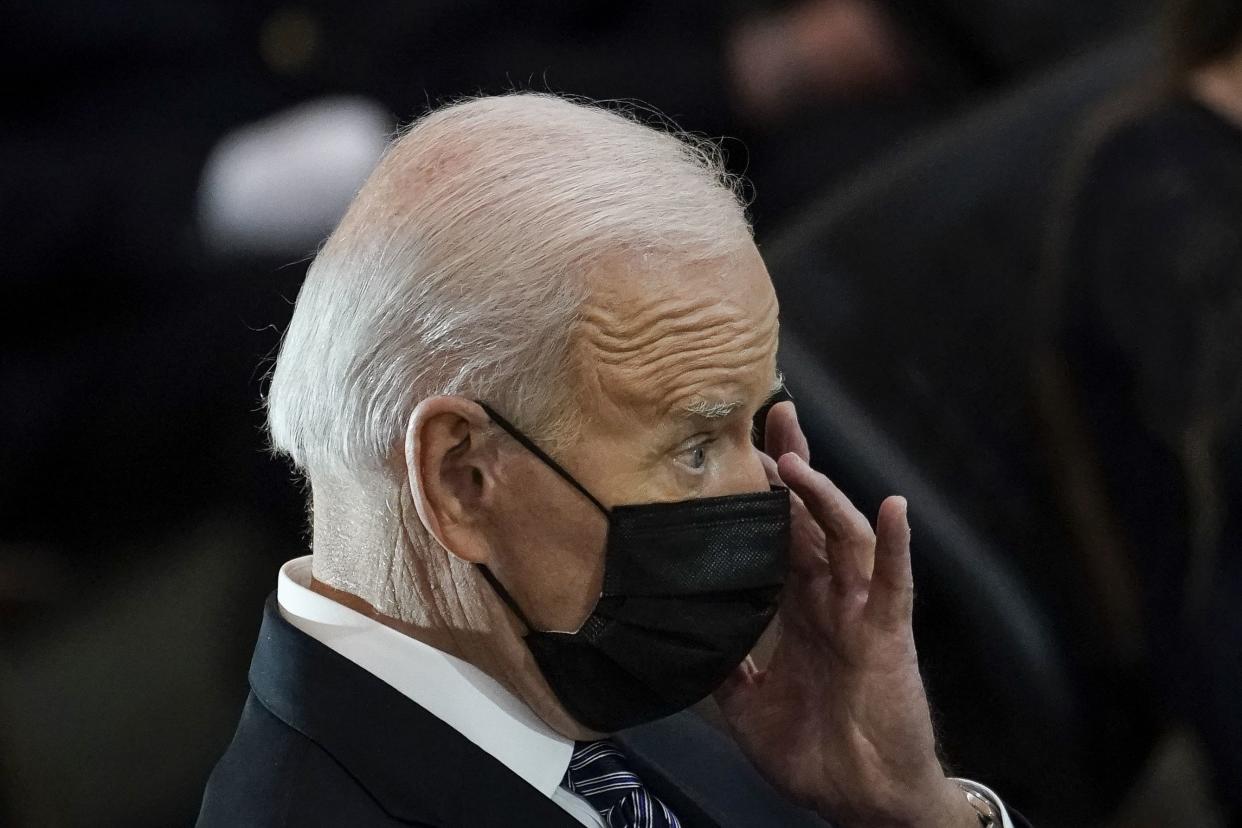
<point x="534" y="449"/>
<point x="530" y="446"/>
<point x="505" y="596"/>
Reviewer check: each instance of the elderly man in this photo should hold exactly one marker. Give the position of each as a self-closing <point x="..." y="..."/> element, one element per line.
<point x="521" y="378"/>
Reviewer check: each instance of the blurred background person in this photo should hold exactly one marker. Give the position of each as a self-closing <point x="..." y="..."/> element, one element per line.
<point x="1142" y="376"/>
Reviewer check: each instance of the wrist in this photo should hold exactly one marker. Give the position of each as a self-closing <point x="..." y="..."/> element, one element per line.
<point x="949" y="809"/>
<point x="959" y="811"/>
<point x="939" y="804"/>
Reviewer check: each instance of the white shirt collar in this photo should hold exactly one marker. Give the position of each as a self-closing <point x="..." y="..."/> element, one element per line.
<point x="454" y="691"/>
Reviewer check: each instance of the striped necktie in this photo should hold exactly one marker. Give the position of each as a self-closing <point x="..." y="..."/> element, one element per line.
<point x="598" y="774"/>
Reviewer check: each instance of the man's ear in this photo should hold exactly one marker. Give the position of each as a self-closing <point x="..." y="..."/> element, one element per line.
<point x="449" y="463"/>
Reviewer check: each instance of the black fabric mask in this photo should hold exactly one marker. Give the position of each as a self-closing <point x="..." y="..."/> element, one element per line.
<point x="688" y="589"/>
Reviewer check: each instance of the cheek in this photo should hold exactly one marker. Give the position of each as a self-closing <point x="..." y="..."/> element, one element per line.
<point x="551" y="541"/>
<point x="568" y="571"/>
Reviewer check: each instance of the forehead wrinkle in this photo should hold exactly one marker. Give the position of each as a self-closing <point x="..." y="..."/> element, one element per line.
<point x="677" y="383"/>
<point x="705" y="333"/>
<point x="683" y="368"/>
<point x="672" y="358"/>
<point x="690" y="399"/>
<point x="623" y="333"/>
<point x="725" y="344"/>
<point x="658" y="355"/>
<point x="621" y="342"/>
<point x="719" y="338"/>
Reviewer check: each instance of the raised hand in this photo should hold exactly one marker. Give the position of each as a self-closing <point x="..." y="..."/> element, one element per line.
<point x="839" y="720"/>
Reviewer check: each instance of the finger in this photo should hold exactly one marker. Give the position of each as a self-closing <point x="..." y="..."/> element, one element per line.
<point x="848" y="536"/>
<point x="782" y="433"/>
<point x="891" y="601"/>
<point x="808" y="554"/>
<point x="832" y="509"/>
<point x="769" y="468"/>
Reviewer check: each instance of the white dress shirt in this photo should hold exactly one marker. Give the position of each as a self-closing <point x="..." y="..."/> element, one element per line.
<point x="455" y="692"/>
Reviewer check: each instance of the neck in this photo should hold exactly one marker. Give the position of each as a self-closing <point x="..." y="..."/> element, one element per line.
<point x="432" y="635"/>
<point x="372" y="554"/>
<point x="1218" y="85"/>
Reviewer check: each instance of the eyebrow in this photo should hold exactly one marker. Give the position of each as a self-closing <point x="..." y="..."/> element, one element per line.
<point x="712" y="409"/>
<point x="719" y="409"/>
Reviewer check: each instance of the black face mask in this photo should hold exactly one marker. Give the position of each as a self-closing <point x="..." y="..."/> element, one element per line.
<point x="688" y="589"/>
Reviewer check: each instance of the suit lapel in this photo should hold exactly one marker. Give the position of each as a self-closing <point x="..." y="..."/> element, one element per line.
<point x="418" y="768"/>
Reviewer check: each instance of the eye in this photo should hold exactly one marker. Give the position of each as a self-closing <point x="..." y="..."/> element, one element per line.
<point x="694" y="457"/>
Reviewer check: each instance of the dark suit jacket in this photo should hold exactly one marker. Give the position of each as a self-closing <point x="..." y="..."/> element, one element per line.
<point x="323" y="742"/>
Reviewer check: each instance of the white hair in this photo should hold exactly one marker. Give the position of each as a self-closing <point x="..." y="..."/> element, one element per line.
<point x="461" y="266"/>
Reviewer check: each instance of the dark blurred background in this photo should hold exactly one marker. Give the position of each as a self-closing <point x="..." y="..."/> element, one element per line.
<point x="1007" y="236"/>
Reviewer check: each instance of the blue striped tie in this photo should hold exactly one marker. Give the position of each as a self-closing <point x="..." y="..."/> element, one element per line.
<point x="598" y="774"/>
